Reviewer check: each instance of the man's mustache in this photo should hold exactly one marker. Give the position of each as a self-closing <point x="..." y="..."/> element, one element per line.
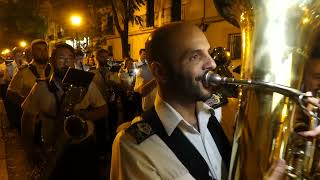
<point x="200" y="77"/>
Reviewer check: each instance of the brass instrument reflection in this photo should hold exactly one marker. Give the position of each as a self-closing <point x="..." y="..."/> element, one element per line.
<point x="300" y="151"/>
<point x="277" y="37"/>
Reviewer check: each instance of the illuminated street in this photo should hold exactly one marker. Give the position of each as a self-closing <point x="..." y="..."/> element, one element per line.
<point x="159" y="89"/>
<point x="12" y="155"/>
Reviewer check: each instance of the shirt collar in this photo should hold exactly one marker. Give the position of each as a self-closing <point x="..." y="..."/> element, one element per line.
<point x="170" y="118"/>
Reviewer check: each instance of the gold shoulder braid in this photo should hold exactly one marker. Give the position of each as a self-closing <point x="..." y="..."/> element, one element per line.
<point x="140" y="131"/>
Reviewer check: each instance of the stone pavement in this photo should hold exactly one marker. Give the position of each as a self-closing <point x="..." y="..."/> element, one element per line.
<point x="13" y="159"/>
<point x="3" y="161"/>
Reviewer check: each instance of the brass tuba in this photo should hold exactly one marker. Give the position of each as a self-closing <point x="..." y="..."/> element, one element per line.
<point x="277" y="37"/>
<point x="75" y="85"/>
<point x="75" y="127"/>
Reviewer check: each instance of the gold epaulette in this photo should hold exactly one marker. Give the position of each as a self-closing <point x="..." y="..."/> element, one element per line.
<point x="141" y="131"/>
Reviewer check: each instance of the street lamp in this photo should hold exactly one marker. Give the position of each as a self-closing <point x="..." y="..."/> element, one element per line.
<point x="76" y="22"/>
<point x="23" y="44"/>
<point x="5" y="51"/>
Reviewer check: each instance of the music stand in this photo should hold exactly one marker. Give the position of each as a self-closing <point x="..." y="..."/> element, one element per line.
<point x="78" y="77"/>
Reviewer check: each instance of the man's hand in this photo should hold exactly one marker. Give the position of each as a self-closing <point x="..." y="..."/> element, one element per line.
<point x="312" y="102"/>
<point x="277" y="171"/>
<point x="312" y="133"/>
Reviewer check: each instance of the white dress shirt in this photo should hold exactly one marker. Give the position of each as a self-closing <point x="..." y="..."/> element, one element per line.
<point x="153" y="159"/>
<point x="201" y="140"/>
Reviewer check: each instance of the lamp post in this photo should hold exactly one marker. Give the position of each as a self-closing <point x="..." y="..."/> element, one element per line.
<point x="76" y="22"/>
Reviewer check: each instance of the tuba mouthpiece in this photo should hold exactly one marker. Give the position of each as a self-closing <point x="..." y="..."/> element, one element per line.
<point x="212" y="79"/>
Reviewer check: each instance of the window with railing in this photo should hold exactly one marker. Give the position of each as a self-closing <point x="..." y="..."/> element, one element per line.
<point x="234" y="45"/>
<point x="164" y="14"/>
<point x="175" y="10"/>
<point x="110" y="49"/>
<point x="150" y="13"/>
<point x="110" y="24"/>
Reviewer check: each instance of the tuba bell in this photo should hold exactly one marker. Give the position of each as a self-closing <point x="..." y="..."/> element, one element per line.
<point x="277" y="37"/>
<point x="75" y="84"/>
<point x="75" y="127"/>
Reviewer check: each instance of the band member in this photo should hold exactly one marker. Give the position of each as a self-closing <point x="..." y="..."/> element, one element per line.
<point x="79" y="60"/>
<point x="145" y="85"/>
<point x="43" y="119"/>
<point x="28" y="54"/>
<point x="25" y="78"/>
<point x="108" y="82"/>
<point x="127" y="73"/>
<point x="311" y="84"/>
<point x="131" y="100"/>
<point x="175" y="129"/>
<point x="180" y="137"/>
<point x="4" y="78"/>
<point x="18" y="61"/>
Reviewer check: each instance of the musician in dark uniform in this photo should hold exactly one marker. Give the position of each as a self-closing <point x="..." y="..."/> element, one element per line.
<point x="43" y="121"/>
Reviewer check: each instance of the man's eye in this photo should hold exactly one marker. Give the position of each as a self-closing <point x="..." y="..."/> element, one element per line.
<point x="195" y="57"/>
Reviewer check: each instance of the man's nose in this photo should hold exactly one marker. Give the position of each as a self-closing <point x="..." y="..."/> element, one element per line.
<point x="210" y="64"/>
<point x="44" y="52"/>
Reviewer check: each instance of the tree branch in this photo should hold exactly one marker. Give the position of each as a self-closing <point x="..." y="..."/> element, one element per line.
<point x="115" y="17"/>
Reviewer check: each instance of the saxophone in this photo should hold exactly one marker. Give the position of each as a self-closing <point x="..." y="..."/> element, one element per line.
<point x="277" y="37"/>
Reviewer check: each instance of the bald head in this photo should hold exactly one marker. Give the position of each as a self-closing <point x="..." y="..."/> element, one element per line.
<point x="178" y="56"/>
<point x="168" y="42"/>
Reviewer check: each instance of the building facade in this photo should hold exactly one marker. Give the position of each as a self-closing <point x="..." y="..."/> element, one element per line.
<point x="156" y="13"/>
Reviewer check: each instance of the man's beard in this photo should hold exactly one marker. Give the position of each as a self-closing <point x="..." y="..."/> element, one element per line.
<point x="189" y="87"/>
<point x="41" y="60"/>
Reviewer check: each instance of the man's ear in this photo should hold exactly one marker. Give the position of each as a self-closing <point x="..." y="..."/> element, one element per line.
<point x="158" y="71"/>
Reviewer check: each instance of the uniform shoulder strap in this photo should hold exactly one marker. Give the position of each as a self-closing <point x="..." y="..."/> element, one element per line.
<point x="179" y="144"/>
<point x="34" y="71"/>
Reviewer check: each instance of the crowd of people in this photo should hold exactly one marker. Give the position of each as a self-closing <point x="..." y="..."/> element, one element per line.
<point x="151" y="111"/>
<point x="36" y="99"/>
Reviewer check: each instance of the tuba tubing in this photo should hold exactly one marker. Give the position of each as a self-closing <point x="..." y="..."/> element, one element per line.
<point x="212" y="79"/>
<point x="277" y="38"/>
